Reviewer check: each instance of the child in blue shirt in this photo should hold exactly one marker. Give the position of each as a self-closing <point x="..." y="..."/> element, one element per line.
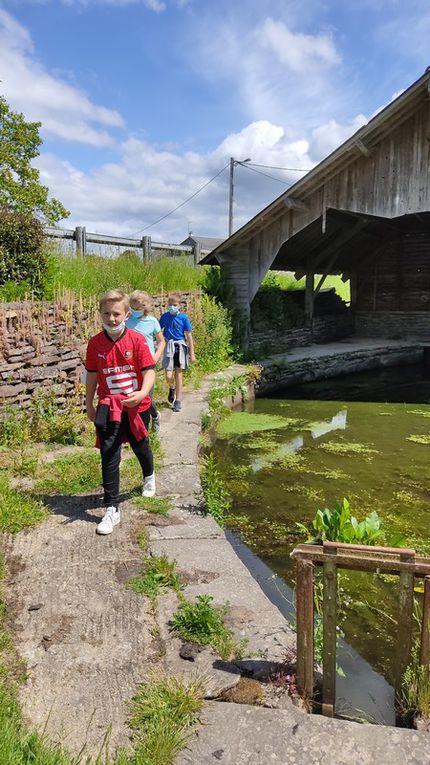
<point x="179" y="351"/>
<point x="141" y="320"/>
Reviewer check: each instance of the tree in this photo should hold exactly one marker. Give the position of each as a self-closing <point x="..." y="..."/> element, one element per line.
<point x="20" y="187"/>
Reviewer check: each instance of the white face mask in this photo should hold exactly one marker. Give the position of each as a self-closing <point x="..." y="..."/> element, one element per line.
<point x="114" y="331"/>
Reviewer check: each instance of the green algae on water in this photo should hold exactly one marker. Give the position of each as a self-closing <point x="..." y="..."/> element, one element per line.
<point x="420" y="439"/>
<point x="241" y="423"/>
<point x="347" y="448"/>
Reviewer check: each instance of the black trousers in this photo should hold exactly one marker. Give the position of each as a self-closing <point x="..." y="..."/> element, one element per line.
<point x="110" y="451"/>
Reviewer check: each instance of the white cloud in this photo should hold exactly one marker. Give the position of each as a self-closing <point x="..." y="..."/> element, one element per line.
<point x="65" y="111"/>
<point x="326" y="138"/>
<point x="269" y="72"/>
<point x="299" y="52"/>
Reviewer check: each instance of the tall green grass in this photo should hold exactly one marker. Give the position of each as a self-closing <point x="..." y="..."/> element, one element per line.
<point x="94" y="274"/>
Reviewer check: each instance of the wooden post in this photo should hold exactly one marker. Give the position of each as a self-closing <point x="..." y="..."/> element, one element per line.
<point x="78" y="240"/>
<point x="84" y="240"/>
<point x="309" y="296"/>
<point x="404" y="624"/>
<point x="146" y="249"/>
<point x="305" y="627"/>
<point x="197" y="252"/>
<point x="329" y="633"/>
<point x="425" y="631"/>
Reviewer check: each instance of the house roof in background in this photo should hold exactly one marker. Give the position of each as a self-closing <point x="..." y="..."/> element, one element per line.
<point x="207" y="243"/>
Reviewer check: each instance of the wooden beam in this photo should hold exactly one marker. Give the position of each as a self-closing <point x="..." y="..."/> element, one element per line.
<point x="305" y="627"/>
<point x="295" y="204"/>
<point x="309" y="295"/>
<point x="329" y="633"/>
<point x="362" y="148"/>
<point x="425" y="625"/>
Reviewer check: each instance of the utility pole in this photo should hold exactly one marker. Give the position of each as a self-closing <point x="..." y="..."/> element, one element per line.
<point x="233" y="163"/>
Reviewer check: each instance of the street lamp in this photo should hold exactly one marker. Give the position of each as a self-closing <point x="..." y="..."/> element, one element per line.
<point x="233" y="163"/>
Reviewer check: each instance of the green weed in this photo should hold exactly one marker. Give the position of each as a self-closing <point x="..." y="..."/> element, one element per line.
<point x="160" y="574"/>
<point x="18" y="510"/>
<point x="201" y="622"/>
<point x="415" y="695"/>
<point x="74" y="474"/>
<point x="165" y="709"/>
<point x="157" y="505"/>
<point x="216" y="498"/>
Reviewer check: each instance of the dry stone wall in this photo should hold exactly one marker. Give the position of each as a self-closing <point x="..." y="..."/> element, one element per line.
<point x="323" y="330"/>
<point x="42" y="345"/>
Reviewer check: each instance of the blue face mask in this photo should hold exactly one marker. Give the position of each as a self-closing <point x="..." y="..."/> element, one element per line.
<point x="174" y="309"/>
<point x="135" y="314"/>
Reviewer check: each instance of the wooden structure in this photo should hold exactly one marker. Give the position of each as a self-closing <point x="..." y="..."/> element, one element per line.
<point x="363" y="212"/>
<point x="149" y="250"/>
<point x="332" y="556"/>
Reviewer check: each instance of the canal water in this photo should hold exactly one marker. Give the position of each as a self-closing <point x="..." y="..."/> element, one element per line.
<point x="365" y="437"/>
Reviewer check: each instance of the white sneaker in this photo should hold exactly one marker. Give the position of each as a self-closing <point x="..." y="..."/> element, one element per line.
<point x="111" y="518"/>
<point x="148" y="489"/>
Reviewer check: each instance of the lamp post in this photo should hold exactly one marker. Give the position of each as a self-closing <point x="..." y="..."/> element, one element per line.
<point x="233" y="163"/>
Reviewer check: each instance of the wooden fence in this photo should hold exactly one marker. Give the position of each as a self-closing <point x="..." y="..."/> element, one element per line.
<point x="332" y="556"/>
<point x="148" y="249"/>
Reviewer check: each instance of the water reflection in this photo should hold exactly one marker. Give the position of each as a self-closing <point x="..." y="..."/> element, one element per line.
<point x="316" y="429"/>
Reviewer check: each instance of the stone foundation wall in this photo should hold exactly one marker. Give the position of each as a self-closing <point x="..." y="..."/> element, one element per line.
<point x="323" y="330"/>
<point x="42" y="345"/>
<point x="284" y="373"/>
<point x="393" y="324"/>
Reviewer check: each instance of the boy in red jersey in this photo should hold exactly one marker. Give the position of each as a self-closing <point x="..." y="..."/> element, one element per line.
<point x="120" y="365"/>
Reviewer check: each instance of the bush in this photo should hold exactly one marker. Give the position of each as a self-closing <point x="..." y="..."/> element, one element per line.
<point x="212" y="333"/>
<point x="21" y="251"/>
<point x="276" y="306"/>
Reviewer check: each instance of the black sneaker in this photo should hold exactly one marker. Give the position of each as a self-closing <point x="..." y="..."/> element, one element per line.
<point x="156" y="423"/>
<point x="177" y="406"/>
<point x="171" y="395"/>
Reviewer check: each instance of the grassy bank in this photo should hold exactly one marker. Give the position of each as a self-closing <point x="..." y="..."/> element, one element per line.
<point x="94" y="274"/>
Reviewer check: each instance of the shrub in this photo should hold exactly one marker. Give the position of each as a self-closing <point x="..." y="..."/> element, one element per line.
<point x="212" y="333"/>
<point x="21" y="250"/>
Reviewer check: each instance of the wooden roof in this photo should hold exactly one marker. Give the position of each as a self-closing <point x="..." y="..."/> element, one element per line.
<point x="338" y="243"/>
<point x="361" y="143"/>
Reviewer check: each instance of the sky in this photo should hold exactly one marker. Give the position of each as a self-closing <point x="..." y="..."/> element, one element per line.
<point x="143" y="102"/>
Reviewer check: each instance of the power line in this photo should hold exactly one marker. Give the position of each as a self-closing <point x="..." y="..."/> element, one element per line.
<point x="163" y="217"/>
<point x="272" y="177"/>
<point x="275" y="167"/>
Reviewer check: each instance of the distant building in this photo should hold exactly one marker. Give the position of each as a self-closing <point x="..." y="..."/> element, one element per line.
<point x="206" y="243"/>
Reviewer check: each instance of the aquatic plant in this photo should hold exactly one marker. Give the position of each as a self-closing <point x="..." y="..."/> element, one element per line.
<point x="241" y="423"/>
<point x="338" y="525"/>
<point x="419" y="412"/>
<point x="420" y="439"/>
<point x="346" y="448"/>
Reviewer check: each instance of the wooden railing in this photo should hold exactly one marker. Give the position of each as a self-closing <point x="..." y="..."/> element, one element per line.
<point x="146" y="247"/>
<point x="333" y="556"/>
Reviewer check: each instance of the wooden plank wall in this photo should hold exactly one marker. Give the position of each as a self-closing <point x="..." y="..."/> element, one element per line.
<point x="399" y="279"/>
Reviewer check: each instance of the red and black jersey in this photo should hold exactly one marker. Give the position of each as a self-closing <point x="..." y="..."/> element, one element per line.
<point x="119" y="364"/>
